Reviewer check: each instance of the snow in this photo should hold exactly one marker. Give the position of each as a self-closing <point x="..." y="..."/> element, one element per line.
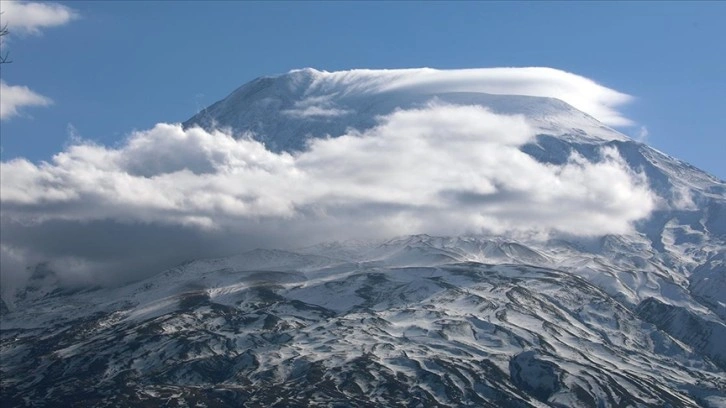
<point x="310" y="103"/>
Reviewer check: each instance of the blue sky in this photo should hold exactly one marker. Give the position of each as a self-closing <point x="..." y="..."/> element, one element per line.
<point x="120" y="66"/>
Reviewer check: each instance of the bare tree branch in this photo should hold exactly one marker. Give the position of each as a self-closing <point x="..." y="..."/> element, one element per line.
<point x="3" y="32"/>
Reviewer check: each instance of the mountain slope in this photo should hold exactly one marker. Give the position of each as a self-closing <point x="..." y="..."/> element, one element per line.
<point x="369" y="331"/>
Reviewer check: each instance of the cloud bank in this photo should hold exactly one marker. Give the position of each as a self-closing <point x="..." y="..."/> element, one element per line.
<point x="14" y="97"/>
<point x="31" y="17"/>
<point x="169" y="194"/>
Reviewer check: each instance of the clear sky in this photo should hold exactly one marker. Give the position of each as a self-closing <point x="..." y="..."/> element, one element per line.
<point x="119" y="66"/>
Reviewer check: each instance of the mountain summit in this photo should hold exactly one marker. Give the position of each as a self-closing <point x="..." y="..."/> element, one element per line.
<point x="572" y="312"/>
<point x="309" y="103"/>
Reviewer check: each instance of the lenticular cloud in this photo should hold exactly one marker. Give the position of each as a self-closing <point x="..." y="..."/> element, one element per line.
<point x="583" y="93"/>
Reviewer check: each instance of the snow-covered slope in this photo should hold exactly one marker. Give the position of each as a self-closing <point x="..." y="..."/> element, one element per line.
<point x="615" y="320"/>
<point x="424" y="320"/>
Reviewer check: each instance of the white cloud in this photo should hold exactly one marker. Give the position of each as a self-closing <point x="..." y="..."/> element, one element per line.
<point x="440" y="169"/>
<point x="316" y="111"/>
<point x="316" y="107"/>
<point x="31" y="17"/>
<point x="15" y="97"/>
<point x="580" y="92"/>
<point x="642" y="134"/>
<point x="27" y="18"/>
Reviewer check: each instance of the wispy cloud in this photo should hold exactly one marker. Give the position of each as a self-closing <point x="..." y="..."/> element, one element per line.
<point x="316" y="107"/>
<point x="31" y="17"/>
<point x="440" y="169"/>
<point x="316" y="111"/>
<point x="642" y="134"/>
<point x="14" y="97"/>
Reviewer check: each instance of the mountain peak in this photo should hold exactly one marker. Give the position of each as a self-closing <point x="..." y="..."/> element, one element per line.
<point x="284" y="111"/>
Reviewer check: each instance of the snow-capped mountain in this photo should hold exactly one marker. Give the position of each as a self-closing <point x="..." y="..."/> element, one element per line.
<point x="637" y="319"/>
<point x="308" y="103"/>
